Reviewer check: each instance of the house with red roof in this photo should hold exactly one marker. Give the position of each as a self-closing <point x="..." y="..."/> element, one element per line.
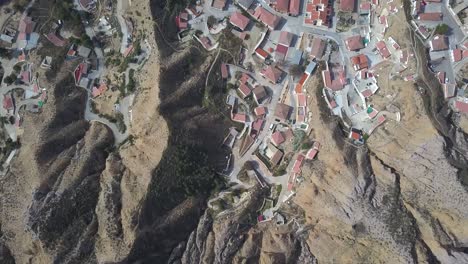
<point x="262" y="53"/>
<point x="298" y="164"/>
<point x="26" y="25"/>
<point x="335" y="78"/>
<point x="244" y="90"/>
<point x="461" y="106"/>
<point x="219" y="4"/>
<point x="282" y="6"/>
<point x="285" y="38"/>
<point x="456" y="55"/>
<point x="294" y="7"/>
<point x="356" y="136"/>
<point x="360" y="62"/>
<point x="240" y="118"/>
<point x="272" y="74"/>
<point x="224" y="71"/>
<point x="430" y="16"/>
<point x="257" y="127"/>
<point x="317" y="13"/>
<point x="260" y="111"/>
<point x="354" y="43"/>
<point x="364" y="8"/>
<point x="347" y="5"/>
<point x="280" y="52"/>
<point x="8" y="102"/>
<point x="267" y="18"/>
<point x="317" y="48"/>
<point x="382" y="49"/>
<point x="97" y="91"/>
<point x="438" y="43"/>
<point x="238" y="20"/>
<point x="80" y="71"/>
<point x="56" y="40"/>
<point x="282" y="112"/>
<point x="277" y="138"/>
<point x="301" y="100"/>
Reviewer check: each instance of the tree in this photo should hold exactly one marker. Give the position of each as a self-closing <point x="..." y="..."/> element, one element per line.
<point x="211" y="21"/>
<point x="442" y="29"/>
<point x="8" y="80"/>
<point x="296" y="70"/>
<point x="17" y="68"/>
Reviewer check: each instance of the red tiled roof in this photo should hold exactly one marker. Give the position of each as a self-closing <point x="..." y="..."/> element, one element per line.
<point x="294" y="7"/>
<point x="282" y="6"/>
<point x="317" y="47"/>
<point x="25" y="77"/>
<point x="244" y="90"/>
<point x="457" y="55"/>
<point x="298" y="164"/>
<point x="261" y="53"/>
<point x="282" y="111"/>
<point x="311" y="153"/>
<point x="239" y="118"/>
<point x="97" y="91"/>
<point x="257" y="124"/>
<point x="259" y="92"/>
<point x="301" y="100"/>
<point x="26" y="25"/>
<point x="285" y="38"/>
<point x="224" y="70"/>
<point x="219" y="4"/>
<point x="439" y="42"/>
<point x="272" y="73"/>
<point x="277" y="138"/>
<point x="383" y="20"/>
<point x="276" y="157"/>
<point x="239" y="20"/>
<point x="365" y="6"/>
<point x="382" y="48"/>
<point x="281" y="49"/>
<point x="7" y="102"/>
<point x="461" y="106"/>
<point x="347" y="5"/>
<point x="430" y="16"/>
<point x="354" y="43"/>
<point x="360" y="62"/>
<point x="56" y="40"/>
<point x="244" y="77"/>
<point x="260" y="110"/>
<point x="266" y="17"/>
<point x="366" y="93"/>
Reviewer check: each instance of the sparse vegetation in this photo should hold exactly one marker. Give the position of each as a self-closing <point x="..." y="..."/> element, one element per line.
<point x="211" y="21"/>
<point x="442" y="29"/>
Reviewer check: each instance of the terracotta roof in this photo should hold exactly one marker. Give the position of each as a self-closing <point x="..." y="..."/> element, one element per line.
<point x="97" y="91"/>
<point x="26" y="25"/>
<point x="317" y="47"/>
<point x="56" y="40"/>
<point x="219" y="4"/>
<point x="272" y="73"/>
<point x="367" y="93"/>
<point x="260" y="110"/>
<point x="224" y="70"/>
<point x="457" y="55"/>
<point x="294" y="7"/>
<point x="360" y="62"/>
<point x="244" y="90"/>
<point x="281" y="49"/>
<point x="282" y="6"/>
<point x="7" y="102"/>
<point x="282" y="111"/>
<point x="257" y="124"/>
<point x="277" y="138"/>
<point x="298" y="164"/>
<point x="285" y="38"/>
<point x="239" y="20"/>
<point x="366" y="6"/>
<point x="266" y="17"/>
<point x="239" y="118"/>
<point x="301" y="100"/>
<point x="334" y="80"/>
<point x="311" y="153"/>
<point x="430" y="16"/>
<point x="461" y="106"/>
<point x="382" y="48"/>
<point x="347" y="5"/>
<point x="439" y="42"/>
<point x="261" y="53"/>
<point x="354" y="43"/>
